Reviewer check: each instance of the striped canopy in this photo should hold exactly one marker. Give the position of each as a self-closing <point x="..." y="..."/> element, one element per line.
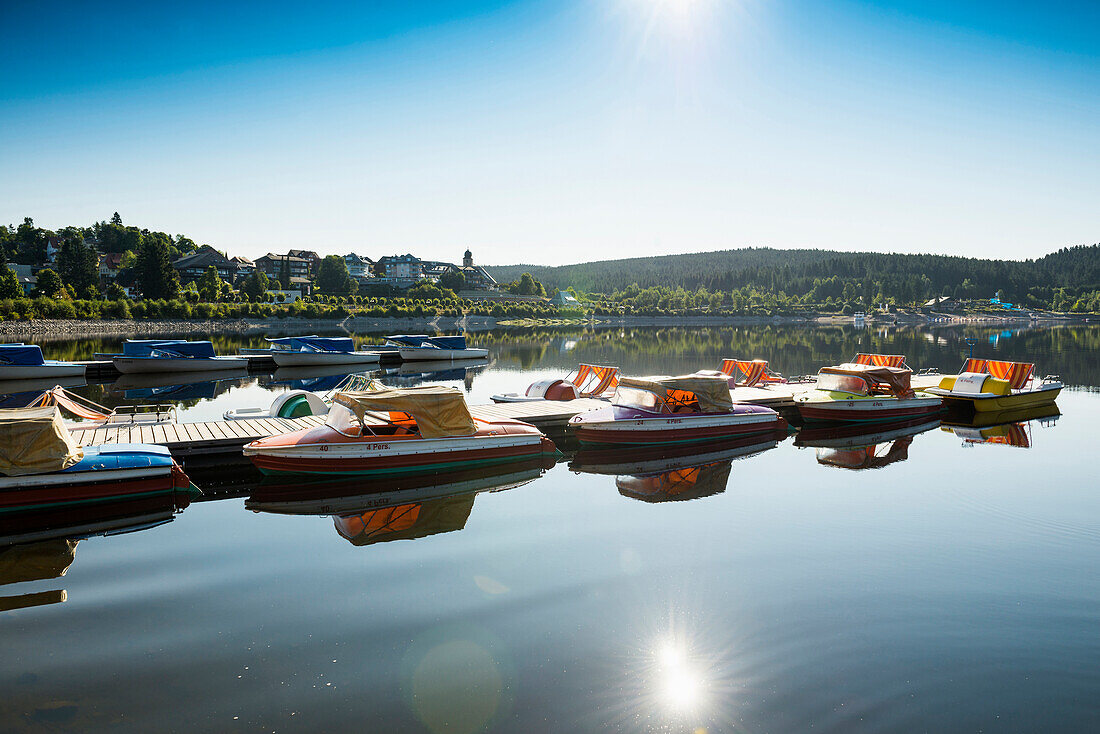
<point x="1017" y="374"/>
<point x="753" y="371"/>
<point x="593" y="379"/>
<point x="880" y="360"/>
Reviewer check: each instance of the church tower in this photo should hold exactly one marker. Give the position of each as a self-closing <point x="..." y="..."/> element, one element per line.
<point x="468" y="259"/>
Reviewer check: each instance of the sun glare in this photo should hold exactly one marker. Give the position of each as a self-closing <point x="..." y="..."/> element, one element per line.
<point x="678" y="684"/>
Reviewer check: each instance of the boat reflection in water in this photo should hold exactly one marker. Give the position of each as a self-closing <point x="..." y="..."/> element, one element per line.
<point x="320" y="379"/>
<point x="1004" y="428"/>
<point x="398" y="508"/>
<point x="858" y="447"/>
<point x="171" y="386"/>
<point x="40" y="546"/>
<point x="409" y="374"/>
<point x="673" y="473"/>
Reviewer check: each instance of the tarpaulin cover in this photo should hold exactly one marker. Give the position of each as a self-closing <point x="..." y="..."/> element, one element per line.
<point x="895" y="379"/>
<point x="289" y="339"/>
<point x="439" y="411"/>
<point x="186" y="349"/>
<point x="712" y="393"/>
<point x="142" y="347"/>
<point x="420" y="340"/>
<point x="318" y="343"/>
<point x="35" y="441"/>
<point x="20" y="354"/>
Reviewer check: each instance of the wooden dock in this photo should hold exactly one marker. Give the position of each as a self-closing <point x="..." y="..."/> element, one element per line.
<point x="228" y="437"/>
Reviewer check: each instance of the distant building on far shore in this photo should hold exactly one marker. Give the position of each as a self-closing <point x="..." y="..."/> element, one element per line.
<point x="564" y="298"/>
<point x="477" y="278"/>
<point x="192" y="267"/>
<point x="359" y="267"/>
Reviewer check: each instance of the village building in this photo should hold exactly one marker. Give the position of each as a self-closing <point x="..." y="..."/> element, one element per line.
<point x="359" y="267"/>
<point x="477" y="278"/>
<point x="565" y="298"/>
<point x="109" y="265"/>
<point x="192" y="267"/>
<point x="401" y="267"/>
<point x="245" y="267"/>
<point x="309" y="256"/>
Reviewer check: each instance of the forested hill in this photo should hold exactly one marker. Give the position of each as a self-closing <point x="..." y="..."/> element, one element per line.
<point x="689" y="271"/>
<point x="796" y="272"/>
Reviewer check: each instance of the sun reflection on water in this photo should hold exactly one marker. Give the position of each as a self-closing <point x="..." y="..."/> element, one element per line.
<point x="678" y="680"/>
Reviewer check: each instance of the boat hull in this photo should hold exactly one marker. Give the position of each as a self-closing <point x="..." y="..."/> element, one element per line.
<point x="604" y="428"/>
<point x="72" y="490"/>
<point x="41" y="371"/>
<point x="426" y="354"/>
<point x="320" y="359"/>
<point x="137" y="365"/>
<point x="869" y="410"/>
<point x="1025" y="400"/>
<point x="382" y="456"/>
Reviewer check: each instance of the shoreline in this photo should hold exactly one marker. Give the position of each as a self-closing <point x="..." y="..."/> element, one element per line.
<point x="71" y="328"/>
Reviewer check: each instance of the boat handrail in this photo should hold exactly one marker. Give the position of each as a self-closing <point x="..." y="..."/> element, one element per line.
<point x="159" y="412"/>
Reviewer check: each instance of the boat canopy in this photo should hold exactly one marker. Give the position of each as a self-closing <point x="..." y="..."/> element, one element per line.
<point x="430" y="342"/>
<point x="439" y="411"/>
<point x="169" y="349"/>
<point x="711" y="393"/>
<point x="892" y="379"/>
<point x="35" y="441"/>
<point x="880" y="360"/>
<point x="141" y="347"/>
<point x="20" y="354"/>
<point x="1016" y="374"/>
<point x="316" y="343"/>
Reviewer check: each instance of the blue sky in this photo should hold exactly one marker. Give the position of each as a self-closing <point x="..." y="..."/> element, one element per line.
<point x="553" y="132"/>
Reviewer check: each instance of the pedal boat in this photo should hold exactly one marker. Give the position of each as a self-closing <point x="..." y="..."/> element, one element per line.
<point x="864" y="393"/>
<point x="587" y="381"/>
<point x="307" y="351"/>
<point x="421" y="347"/>
<point x="990" y="385"/>
<point x="42" y="468"/>
<point x="173" y="356"/>
<point x="650" y="411"/>
<point x="395" y="431"/>
<point x="25" y="362"/>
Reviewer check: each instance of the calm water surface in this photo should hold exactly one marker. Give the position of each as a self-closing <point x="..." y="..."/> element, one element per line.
<point x="929" y="578"/>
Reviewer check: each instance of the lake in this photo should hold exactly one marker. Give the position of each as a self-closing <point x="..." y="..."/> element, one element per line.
<point x="925" y="578"/>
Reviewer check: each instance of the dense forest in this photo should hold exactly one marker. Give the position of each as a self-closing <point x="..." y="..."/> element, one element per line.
<point x="1068" y="279"/>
